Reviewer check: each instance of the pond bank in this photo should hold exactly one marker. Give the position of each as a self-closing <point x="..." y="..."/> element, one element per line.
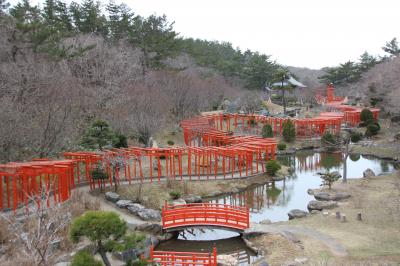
<point x="374" y="239"/>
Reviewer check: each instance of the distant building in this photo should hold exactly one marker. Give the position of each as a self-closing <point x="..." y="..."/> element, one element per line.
<point x="297" y="91"/>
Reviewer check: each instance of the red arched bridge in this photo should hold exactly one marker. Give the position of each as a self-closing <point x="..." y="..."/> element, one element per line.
<point x="183" y="258"/>
<point x="179" y="217"/>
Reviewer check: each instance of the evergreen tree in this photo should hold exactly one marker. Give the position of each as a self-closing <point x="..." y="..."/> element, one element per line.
<point x="88" y="17"/>
<point x="366" y="62"/>
<point x="98" y="135"/>
<point x="257" y="70"/>
<point x="156" y="37"/>
<point x="120" y="18"/>
<point x="392" y="47"/>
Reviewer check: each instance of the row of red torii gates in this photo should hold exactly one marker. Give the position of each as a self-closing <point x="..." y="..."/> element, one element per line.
<point x="211" y="151"/>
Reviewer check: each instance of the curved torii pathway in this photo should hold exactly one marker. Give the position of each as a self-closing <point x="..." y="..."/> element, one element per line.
<point x="334" y="246"/>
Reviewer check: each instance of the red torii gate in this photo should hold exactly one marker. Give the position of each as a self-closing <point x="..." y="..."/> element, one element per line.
<point x="26" y="180"/>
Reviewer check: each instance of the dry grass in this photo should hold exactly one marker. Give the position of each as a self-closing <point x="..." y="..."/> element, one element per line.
<point x="277" y="249"/>
<point x="377" y="235"/>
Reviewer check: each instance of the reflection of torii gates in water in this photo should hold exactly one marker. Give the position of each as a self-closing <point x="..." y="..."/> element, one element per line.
<point x="254" y="198"/>
<point x="318" y="161"/>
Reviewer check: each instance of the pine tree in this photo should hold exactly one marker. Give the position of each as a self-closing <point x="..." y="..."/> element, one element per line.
<point x="156" y="37"/>
<point x="119" y="21"/>
<point x="392" y="47"/>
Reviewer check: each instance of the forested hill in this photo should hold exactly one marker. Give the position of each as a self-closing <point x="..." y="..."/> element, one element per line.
<point x="63" y="66"/>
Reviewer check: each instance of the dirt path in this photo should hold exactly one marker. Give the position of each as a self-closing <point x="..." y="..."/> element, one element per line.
<point x="334" y="246"/>
<point x="107" y="206"/>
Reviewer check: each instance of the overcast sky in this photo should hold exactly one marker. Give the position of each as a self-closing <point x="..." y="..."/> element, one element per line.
<point x="305" y="33"/>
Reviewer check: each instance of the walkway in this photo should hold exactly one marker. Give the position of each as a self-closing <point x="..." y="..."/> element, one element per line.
<point x="334" y="246"/>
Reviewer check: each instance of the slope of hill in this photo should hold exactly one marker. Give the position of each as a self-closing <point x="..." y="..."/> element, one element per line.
<point x="380" y="86"/>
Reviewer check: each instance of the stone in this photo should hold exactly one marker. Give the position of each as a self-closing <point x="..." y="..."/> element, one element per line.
<point x="325" y="196"/>
<point x="62" y="263"/>
<point x="263" y="263"/>
<point x="112" y="196"/>
<point x="395" y="118"/>
<point x="215" y="193"/>
<point x="266" y="221"/>
<point x="397" y="136"/>
<point x="227" y="260"/>
<point x="296" y="213"/>
<point x="368" y="173"/>
<point x="278" y="178"/>
<point x="235" y="190"/>
<point x="321" y="205"/>
<point x="193" y="199"/>
<point x="123" y="203"/>
<point x="301" y="260"/>
<point x="153" y="228"/>
<point x="310" y="191"/>
<point x="178" y="202"/>
<point x="135" y="207"/>
<point x="315" y="211"/>
<point x="149" y="214"/>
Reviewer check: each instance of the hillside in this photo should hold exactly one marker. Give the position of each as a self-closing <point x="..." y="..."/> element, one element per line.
<point x="380" y="85"/>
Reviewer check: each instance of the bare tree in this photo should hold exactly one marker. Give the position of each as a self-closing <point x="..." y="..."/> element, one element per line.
<point x="40" y="230"/>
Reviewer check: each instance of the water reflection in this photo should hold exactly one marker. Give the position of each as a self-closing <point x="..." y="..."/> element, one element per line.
<point x="230" y="246"/>
<point x="274" y="200"/>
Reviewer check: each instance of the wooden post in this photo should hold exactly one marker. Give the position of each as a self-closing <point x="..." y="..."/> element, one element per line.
<point x="343" y="220"/>
<point x="337" y="215"/>
<point x="359" y="216"/>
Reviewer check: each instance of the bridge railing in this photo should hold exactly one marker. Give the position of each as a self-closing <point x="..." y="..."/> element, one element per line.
<point x="214" y="214"/>
<point x="183" y="258"/>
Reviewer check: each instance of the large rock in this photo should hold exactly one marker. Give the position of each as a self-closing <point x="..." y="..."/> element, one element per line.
<point x="368" y="173"/>
<point x="178" y="202"/>
<point x="395" y="118"/>
<point x="123" y="203"/>
<point x="266" y="221"/>
<point x="326" y="196"/>
<point x="321" y="205"/>
<point x="153" y="228"/>
<point x="149" y="214"/>
<point x="135" y="207"/>
<point x="296" y="213"/>
<point x="193" y="199"/>
<point x="112" y="196"/>
<point x="227" y="260"/>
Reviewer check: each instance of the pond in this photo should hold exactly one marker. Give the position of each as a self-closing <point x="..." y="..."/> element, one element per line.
<point x="275" y="199"/>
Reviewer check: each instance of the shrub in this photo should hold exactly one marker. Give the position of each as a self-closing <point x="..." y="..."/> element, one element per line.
<point x="266" y="131"/>
<point x="175" y="194"/>
<point x="355" y="137"/>
<point x="272" y="167"/>
<point x="329" y="141"/>
<point x="366" y="117"/>
<point x="288" y="131"/>
<point x="282" y="146"/>
<point x="170" y="142"/>
<point x="120" y="141"/>
<point x="84" y="258"/>
<point x="372" y="129"/>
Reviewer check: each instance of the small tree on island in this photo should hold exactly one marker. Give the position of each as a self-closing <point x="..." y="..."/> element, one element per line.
<point x="103" y="228"/>
<point x="329" y="178"/>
